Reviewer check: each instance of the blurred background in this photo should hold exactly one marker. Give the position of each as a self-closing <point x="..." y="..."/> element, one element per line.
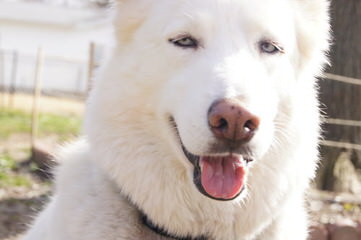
<point x="49" y="53"/>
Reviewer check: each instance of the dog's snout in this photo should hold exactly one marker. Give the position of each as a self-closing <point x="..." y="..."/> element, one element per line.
<point x="228" y="120"/>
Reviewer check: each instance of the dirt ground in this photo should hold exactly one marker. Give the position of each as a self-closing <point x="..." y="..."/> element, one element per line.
<point x="19" y="203"/>
<point x="17" y="206"/>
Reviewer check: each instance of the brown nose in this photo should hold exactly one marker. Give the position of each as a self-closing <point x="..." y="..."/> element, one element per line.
<point x="228" y="120"/>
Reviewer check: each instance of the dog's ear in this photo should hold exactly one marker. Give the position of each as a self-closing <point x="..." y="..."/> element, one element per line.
<point x="313" y="33"/>
<point x="129" y="15"/>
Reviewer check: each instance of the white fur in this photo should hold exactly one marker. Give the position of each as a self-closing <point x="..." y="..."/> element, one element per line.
<point x="130" y="158"/>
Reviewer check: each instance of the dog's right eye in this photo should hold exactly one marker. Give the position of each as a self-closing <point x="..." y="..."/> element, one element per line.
<point x="185" y="42"/>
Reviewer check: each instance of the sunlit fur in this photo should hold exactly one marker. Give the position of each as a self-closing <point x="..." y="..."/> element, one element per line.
<point x="130" y="158"/>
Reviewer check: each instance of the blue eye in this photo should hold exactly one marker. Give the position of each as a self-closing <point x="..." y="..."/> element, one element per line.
<point x="184" y="42"/>
<point x="270" y="47"/>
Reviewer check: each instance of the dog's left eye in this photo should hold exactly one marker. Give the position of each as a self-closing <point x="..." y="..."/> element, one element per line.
<point x="184" y="42"/>
<point x="270" y="47"/>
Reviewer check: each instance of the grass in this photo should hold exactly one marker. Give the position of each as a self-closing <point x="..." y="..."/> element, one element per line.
<point x="7" y="162"/>
<point x="14" y="121"/>
<point x="13" y="180"/>
<point x="8" y="175"/>
<point x="18" y="121"/>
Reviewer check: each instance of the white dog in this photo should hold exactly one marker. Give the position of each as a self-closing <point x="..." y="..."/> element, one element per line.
<point x="204" y="124"/>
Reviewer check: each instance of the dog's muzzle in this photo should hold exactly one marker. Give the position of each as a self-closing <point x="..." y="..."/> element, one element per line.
<point x="220" y="174"/>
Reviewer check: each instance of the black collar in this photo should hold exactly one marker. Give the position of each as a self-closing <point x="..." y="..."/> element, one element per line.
<point x="163" y="232"/>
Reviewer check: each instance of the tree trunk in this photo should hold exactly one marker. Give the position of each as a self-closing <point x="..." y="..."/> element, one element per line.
<point x="342" y="100"/>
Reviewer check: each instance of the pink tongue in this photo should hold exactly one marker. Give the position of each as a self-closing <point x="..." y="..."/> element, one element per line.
<point x="222" y="177"/>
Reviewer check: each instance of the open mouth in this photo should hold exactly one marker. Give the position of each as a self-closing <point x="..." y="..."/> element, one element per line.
<point x="218" y="176"/>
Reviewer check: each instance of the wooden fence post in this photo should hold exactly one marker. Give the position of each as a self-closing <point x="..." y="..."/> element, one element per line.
<point x="36" y="95"/>
<point x="91" y="64"/>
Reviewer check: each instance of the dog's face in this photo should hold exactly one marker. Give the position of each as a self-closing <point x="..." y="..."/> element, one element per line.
<point x="220" y="78"/>
<point x="223" y="97"/>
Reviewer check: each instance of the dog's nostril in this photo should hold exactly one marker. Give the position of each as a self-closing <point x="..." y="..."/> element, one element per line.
<point x="217" y="121"/>
<point x="250" y="125"/>
<point x="246" y="129"/>
<point x="222" y="123"/>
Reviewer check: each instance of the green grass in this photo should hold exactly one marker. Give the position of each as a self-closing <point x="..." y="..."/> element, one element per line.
<point x="13" y="121"/>
<point x="13" y="180"/>
<point x="17" y="121"/>
<point x="8" y="176"/>
<point x="7" y="162"/>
